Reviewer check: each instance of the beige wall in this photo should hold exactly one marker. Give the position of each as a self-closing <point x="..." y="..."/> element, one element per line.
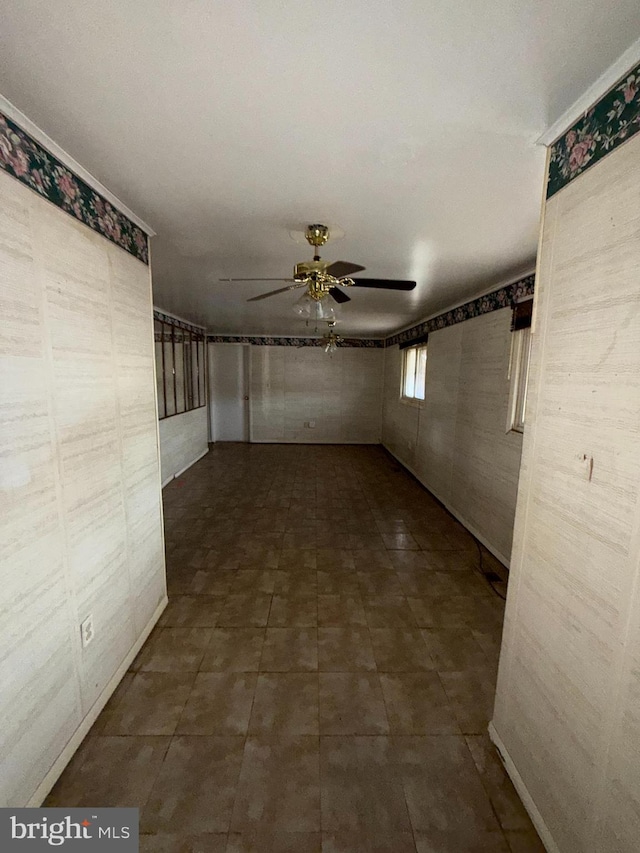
<point x="567" y="709"/>
<point x="80" y="513"/>
<point x="342" y="393"/>
<point x="457" y="443"/>
<point x="183" y="440"/>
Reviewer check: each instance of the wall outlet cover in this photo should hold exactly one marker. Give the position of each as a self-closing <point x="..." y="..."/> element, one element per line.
<point x="86" y="631"/>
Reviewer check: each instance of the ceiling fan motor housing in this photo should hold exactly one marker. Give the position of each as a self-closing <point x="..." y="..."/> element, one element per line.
<point x="305" y="269"/>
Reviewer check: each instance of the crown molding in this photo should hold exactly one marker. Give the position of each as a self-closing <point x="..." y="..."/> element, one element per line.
<point x="606" y="81"/>
<point x="36" y="133"/>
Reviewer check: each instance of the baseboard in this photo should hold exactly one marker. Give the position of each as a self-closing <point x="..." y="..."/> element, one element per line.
<point x="186" y="468"/>
<point x="328" y="443"/>
<point x="81" y="732"/>
<point x="476" y="533"/>
<point x="525" y="796"/>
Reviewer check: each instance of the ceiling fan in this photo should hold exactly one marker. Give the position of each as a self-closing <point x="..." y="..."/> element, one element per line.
<point x="322" y="278"/>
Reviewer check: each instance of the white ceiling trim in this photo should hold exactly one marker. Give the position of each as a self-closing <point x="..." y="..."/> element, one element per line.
<point x="606" y="81"/>
<point x="52" y="147"/>
<point x="485" y="292"/>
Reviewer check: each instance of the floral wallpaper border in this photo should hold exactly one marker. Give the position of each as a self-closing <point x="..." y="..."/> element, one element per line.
<point x="25" y="159"/>
<point x="502" y="298"/>
<point x="260" y="341"/>
<point x="181" y="324"/>
<point x="609" y="123"/>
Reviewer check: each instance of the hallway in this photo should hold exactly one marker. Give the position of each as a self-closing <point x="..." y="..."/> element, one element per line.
<point x="324" y="674"/>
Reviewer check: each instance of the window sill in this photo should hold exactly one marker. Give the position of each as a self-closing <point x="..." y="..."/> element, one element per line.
<point x="413" y="402"/>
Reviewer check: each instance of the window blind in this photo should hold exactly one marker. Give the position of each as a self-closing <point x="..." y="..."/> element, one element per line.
<point x="521" y="318"/>
<point x="414" y="342"/>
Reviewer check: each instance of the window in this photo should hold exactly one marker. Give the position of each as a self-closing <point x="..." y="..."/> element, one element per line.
<point x="414" y="372"/>
<point x="180" y="368"/>
<point x="519" y="365"/>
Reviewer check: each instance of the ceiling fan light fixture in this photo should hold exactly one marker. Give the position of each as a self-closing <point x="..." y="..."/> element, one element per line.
<point x="331" y="340"/>
<point x="311" y="308"/>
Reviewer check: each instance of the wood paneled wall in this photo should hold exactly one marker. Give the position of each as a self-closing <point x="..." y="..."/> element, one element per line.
<point x="80" y="511"/>
<point x="183" y="439"/>
<point x="341" y="393"/>
<point x="457" y="443"/>
<point x="567" y="712"/>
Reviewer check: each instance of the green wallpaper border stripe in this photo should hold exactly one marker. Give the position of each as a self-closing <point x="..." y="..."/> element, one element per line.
<point x="265" y="341"/>
<point x="613" y="120"/>
<point x="25" y="159"/>
<point x="503" y="297"/>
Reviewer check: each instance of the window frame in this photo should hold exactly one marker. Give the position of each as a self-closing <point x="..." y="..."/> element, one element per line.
<point x="193" y="395"/>
<point x="404" y="398"/>
<point x="519" y="364"/>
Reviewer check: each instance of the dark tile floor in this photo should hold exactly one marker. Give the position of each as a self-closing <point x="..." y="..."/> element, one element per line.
<point x="323" y="676"/>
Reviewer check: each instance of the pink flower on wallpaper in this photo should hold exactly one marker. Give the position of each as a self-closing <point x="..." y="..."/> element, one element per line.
<point x="110" y="225"/>
<point x="66" y="184"/>
<point x="579" y="154"/>
<point x="20" y="163"/>
<point x="571" y="139"/>
<point x="630" y="90"/>
<point x="6" y="148"/>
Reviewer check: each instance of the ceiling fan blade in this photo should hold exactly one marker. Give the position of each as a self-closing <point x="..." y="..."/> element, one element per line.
<point x="256" y="279"/>
<point x="339" y="269"/>
<point x="384" y="283"/>
<point x="339" y="295"/>
<point x="280" y="290"/>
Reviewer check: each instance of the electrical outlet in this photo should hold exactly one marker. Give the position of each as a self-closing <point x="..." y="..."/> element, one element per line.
<point x="86" y="631"/>
<point x="310" y="424"/>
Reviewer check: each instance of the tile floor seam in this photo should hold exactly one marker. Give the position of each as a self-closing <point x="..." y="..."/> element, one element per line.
<point x="157" y="776"/>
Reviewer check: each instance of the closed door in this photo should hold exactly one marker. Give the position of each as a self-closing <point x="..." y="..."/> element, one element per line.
<point x="229" y="397"/>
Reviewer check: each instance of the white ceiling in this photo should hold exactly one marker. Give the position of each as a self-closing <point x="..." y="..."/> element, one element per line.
<point x="225" y="124"/>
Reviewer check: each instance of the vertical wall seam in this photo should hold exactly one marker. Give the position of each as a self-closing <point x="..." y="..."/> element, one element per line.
<point x="118" y="412"/>
<point x="71" y="601"/>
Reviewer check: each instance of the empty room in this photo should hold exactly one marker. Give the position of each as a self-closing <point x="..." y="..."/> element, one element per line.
<point x="320" y="426"/>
